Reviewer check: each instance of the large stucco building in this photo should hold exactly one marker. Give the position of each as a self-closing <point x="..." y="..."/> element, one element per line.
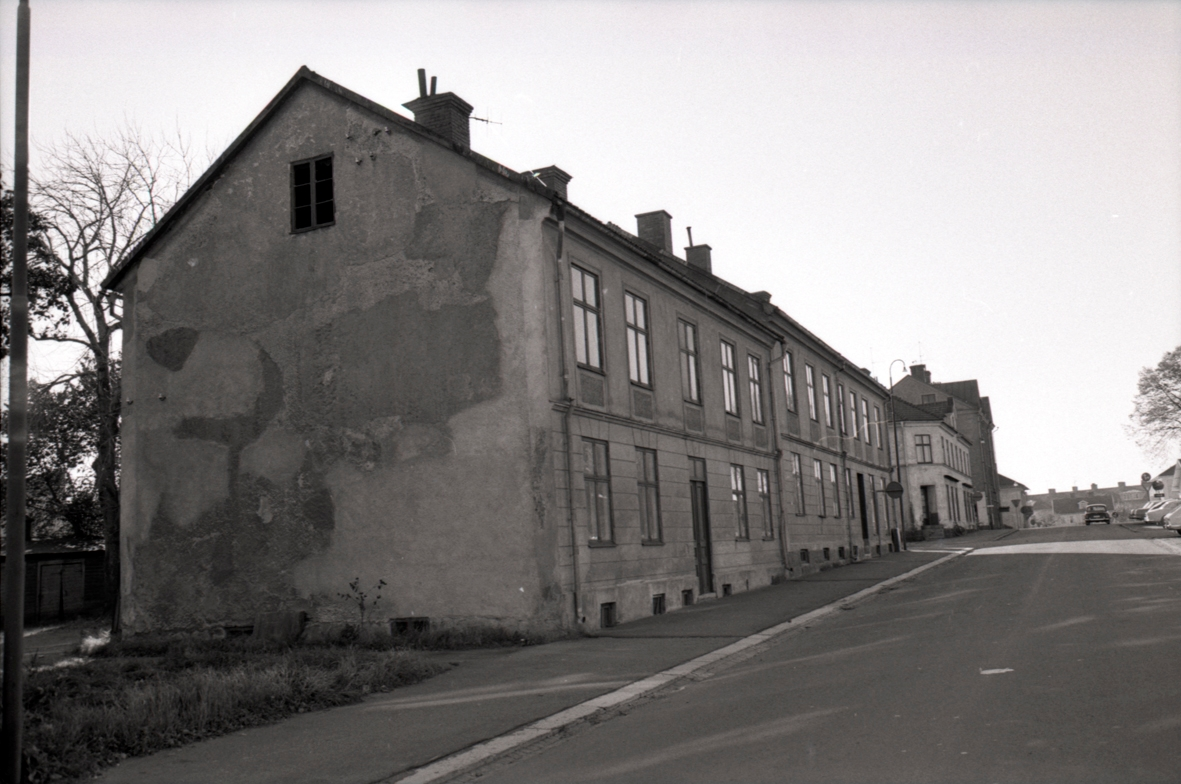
<point x="934" y="466"/>
<point x="357" y="348"/>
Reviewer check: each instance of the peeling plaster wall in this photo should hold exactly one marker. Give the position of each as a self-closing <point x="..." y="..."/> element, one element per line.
<point x="361" y="400"/>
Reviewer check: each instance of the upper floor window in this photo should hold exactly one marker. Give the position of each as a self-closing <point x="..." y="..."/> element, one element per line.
<point x="587" y="335"/>
<point x="756" y="388"/>
<point x="865" y="420"/>
<point x="810" y="379"/>
<point x="639" y="367"/>
<point x="877" y="425"/>
<point x="841" y="409"/>
<point x="922" y="446"/>
<point x="729" y="379"/>
<point x="853" y="414"/>
<point x="789" y="381"/>
<point x="690" y="377"/>
<point x="928" y="398"/>
<point x="312" y="204"/>
<point x="827" y="399"/>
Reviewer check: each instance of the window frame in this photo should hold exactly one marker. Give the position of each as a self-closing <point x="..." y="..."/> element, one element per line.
<point x="826" y="393"/>
<point x="922" y="447"/>
<point x="639" y="342"/>
<point x="818" y="475"/>
<point x="729" y="378"/>
<point x="853" y="409"/>
<point x="813" y="403"/>
<point x="797" y="470"/>
<point x="763" y="483"/>
<point x="648" y="490"/>
<point x="738" y="496"/>
<point x="313" y="204"/>
<point x="584" y="311"/>
<point x="842" y="424"/>
<point x="690" y="361"/>
<point x="754" y="380"/>
<point x="596" y="525"/>
<point x="834" y="478"/>
<point x="789" y="381"/>
<point x="865" y="421"/>
<point x="877" y="425"/>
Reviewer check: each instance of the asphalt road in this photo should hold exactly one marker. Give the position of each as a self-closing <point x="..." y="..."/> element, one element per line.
<point x="1048" y="656"/>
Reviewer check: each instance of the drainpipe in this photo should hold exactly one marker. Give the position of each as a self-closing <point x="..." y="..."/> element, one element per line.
<point x="844" y="475"/>
<point x="567" y="403"/>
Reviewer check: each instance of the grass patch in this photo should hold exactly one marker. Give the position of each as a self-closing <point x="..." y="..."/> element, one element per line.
<point x="143" y="695"/>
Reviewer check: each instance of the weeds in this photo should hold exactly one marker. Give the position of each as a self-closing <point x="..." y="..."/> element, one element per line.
<point x="142" y="695"/>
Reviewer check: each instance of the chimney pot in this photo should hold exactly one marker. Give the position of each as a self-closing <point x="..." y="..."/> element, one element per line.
<point x="446" y="114"/>
<point x="656" y="228"/>
<point x="699" y="257"/>
<point x="553" y="178"/>
<point x="921" y="373"/>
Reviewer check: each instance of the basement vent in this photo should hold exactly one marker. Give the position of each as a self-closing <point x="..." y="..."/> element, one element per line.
<point x="805" y="556"/>
<point x="658" y="604"/>
<point x="687" y="597"/>
<point x="607" y="617"/>
<point x="727" y="589"/>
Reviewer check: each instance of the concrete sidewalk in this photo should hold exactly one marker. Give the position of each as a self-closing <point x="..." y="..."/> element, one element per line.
<point x="491" y="692"/>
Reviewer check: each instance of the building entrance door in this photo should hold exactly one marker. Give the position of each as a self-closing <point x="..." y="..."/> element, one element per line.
<point x="864" y="515"/>
<point x="703" y="548"/>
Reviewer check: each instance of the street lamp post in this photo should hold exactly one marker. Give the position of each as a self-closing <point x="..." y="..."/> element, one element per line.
<point x="896" y="491"/>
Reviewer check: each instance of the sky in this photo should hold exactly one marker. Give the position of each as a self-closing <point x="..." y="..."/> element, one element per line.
<point x="990" y="188"/>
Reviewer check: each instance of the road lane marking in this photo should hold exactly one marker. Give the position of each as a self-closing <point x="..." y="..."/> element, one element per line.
<point x="485" y="751"/>
<point x="996" y="672"/>
<point x="1109" y="547"/>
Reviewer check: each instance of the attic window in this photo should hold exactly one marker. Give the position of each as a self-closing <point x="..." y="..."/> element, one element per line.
<point x="312" y="205"/>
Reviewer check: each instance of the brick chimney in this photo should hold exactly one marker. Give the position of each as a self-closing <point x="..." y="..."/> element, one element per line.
<point x="656" y="228"/>
<point x="698" y="257"/>
<point x="553" y="178"/>
<point x="446" y="113"/>
<point x="921" y="373"/>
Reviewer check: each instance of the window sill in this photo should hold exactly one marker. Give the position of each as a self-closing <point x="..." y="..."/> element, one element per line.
<point x="652" y="542"/>
<point x="599" y="543"/>
<point x="592" y="369"/>
<point x="768" y="538"/>
<point x="741" y="538"/>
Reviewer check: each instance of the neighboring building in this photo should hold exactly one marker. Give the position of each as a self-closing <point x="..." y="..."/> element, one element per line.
<point x="64" y="579"/>
<point x="1013" y="498"/>
<point x="358" y="349"/>
<point x="1170" y="481"/>
<point x="935" y="466"/>
<point x="973" y="421"/>
<point x="1054" y="508"/>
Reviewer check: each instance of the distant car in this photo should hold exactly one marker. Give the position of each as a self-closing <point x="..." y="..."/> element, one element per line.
<point x="1157" y="515"/>
<point x="1097" y="513"/>
<point x="1172" y="520"/>
<point x="1140" y="513"/>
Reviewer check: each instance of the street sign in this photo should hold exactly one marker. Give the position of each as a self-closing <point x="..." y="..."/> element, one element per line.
<point x="894" y="490"/>
<point x="1145" y="477"/>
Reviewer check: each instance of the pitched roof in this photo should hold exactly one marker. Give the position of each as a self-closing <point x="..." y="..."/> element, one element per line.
<point x="909" y="412"/>
<point x="1005" y="481"/>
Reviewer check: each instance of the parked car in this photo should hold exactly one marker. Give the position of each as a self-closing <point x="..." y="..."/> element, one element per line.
<point x="1172" y="520"/>
<point x="1158" y="514"/>
<point x="1137" y="514"/>
<point x="1097" y="513"/>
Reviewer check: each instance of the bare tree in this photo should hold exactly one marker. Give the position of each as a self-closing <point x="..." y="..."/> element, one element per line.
<point x="98" y="196"/>
<point x="1156" y="416"/>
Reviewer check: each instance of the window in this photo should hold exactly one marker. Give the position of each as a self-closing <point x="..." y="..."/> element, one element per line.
<point x="865" y="420"/>
<point x="597" y="477"/>
<point x="639" y="366"/>
<point x="764" y="480"/>
<point x="649" y="490"/>
<point x="922" y="445"/>
<point x="587" y="337"/>
<point x="849" y="492"/>
<point x="798" y="472"/>
<point x="690" y="378"/>
<point x="738" y="493"/>
<point x="877" y="426"/>
<point x="312" y="204"/>
<point x="827" y="389"/>
<point x="810" y="378"/>
<point x="836" y="490"/>
<point x="853" y="414"/>
<point x="841" y="409"/>
<point x="818" y="475"/>
<point x="729" y="379"/>
<point x="928" y="398"/>
<point x="756" y="389"/>
<point x="789" y="381"/>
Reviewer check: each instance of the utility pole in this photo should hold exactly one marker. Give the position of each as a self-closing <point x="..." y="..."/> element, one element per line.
<point x="18" y="403"/>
